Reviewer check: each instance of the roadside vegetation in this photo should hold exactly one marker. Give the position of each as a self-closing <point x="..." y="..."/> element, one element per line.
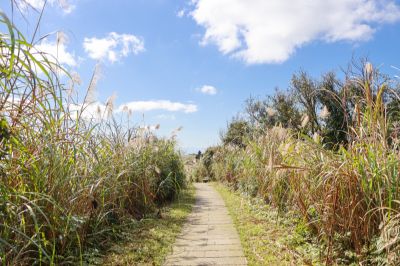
<point x="150" y="240"/>
<point x="327" y="151"/>
<point x="69" y="184"/>
<point x="268" y="238"/>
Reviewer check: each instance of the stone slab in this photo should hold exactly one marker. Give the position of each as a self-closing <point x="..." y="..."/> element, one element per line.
<point x="209" y="236"/>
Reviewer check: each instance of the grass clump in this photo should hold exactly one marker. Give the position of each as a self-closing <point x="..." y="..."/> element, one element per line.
<point x="67" y="180"/>
<point x="149" y="241"/>
<point x="346" y="187"/>
<point x="267" y="238"/>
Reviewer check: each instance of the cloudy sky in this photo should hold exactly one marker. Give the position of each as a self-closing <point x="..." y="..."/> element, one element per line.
<point x="192" y="63"/>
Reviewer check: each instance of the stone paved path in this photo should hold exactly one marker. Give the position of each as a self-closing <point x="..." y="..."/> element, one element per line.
<point x="209" y="237"/>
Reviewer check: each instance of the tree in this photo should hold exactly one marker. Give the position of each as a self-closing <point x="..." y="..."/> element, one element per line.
<point x="305" y="92"/>
<point x="279" y="109"/>
<point x="334" y="114"/>
<point x="287" y="114"/>
<point x="237" y="132"/>
<point x="208" y="160"/>
<point x="257" y="111"/>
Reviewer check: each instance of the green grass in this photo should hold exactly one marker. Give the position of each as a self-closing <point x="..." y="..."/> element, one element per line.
<point x="268" y="239"/>
<point x="150" y="240"/>
<point x="70" y="184"/>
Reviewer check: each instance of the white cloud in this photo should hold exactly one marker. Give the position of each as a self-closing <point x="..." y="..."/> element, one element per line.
<point x="143" y="106"/>
<point x="207" y="89"/>
<point x="166" y="117"/>
<point x="113" y="47"/>
<point x="66" y="5"/>
<point x="95" y="110"/>
<point x="181" y="13"/>
<point x="98" y="111"/>
<point x="52" y="54"/>
<point x="258" y="31"/>
<point x="57" y="49"/>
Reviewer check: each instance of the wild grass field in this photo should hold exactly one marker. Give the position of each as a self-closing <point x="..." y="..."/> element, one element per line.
<point x="68" y="183"/>
<point x="321" y="158"/>
<point x="326" y="149"/>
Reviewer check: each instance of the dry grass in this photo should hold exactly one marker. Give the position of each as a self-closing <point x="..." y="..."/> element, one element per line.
<point x="267" y="238"/>
<point x="149" y="241"/>
<point x="348" y="197"/>
<point x="66" y="181"/>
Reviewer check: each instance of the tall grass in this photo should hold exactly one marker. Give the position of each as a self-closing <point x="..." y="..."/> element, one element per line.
<point x="349" y="197"/>
<point x="65" y="181"/>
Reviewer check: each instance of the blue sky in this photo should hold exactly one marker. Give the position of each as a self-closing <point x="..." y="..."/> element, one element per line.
<point x="192" y="63"/>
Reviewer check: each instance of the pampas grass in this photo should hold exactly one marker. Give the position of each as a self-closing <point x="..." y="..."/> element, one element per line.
<point x="67" y="181"/>
<point x="348" y="197"/>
